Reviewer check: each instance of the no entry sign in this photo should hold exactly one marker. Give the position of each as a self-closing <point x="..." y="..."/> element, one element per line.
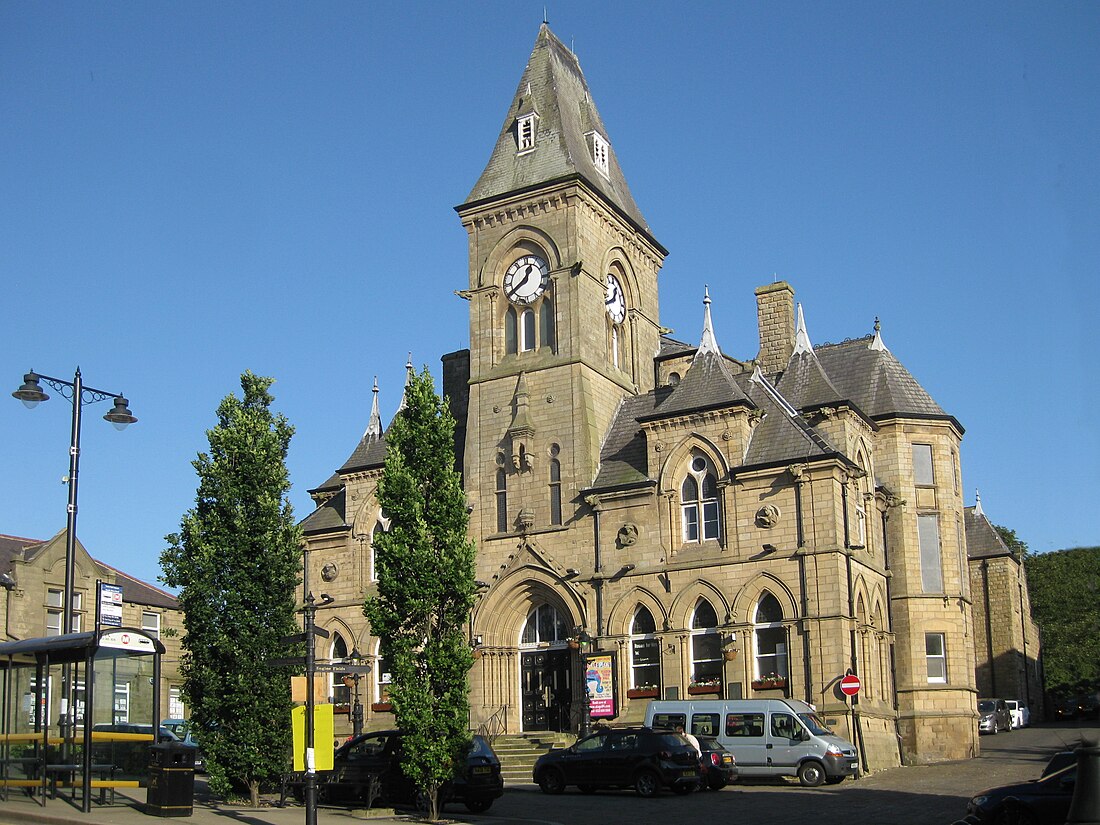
<point x="849" y="685"/>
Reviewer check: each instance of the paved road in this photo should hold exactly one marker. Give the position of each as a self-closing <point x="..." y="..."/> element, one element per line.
<point x="929" y="795"/>
<point x="932" y="795"/>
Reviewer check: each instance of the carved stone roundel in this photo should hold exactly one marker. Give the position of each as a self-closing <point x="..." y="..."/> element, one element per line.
<point x="767" y="516"/>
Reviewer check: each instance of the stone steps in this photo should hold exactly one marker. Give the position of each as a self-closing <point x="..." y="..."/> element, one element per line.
<point x="519" y="751"/>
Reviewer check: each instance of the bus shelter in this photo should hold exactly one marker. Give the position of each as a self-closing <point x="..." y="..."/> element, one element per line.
<point x="78" y="711"/>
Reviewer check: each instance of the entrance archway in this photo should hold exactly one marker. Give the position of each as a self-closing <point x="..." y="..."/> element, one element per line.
<point x="546" y="670"/>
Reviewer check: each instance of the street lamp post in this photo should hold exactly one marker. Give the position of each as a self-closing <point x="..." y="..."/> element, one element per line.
<point x="31" y="394"/>
<point x="356" y="707"/>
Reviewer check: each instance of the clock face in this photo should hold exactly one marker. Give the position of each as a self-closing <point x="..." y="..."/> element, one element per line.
<point x="615" y="300"/>
<point x="526" y="279"/>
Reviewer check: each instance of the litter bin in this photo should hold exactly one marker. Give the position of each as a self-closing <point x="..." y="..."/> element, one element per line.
<point x="171" y="780"/>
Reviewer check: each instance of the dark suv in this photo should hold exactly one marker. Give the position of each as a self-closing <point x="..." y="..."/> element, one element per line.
<point x="637" y="757"/>
<point x="372" y="762"/>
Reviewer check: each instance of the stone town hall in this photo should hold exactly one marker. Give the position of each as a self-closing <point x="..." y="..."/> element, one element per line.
<point x="735" y="528"/>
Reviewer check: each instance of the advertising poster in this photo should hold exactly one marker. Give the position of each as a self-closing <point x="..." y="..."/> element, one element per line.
<point x="599" y="669"/>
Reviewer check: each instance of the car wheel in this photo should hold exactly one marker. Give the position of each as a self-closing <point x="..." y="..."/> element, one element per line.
<point x="811" y="774"/>
<point x="717" y="783"/>
<point x="478" y="806"/>
<point x="587" y="788"/>
<point x="552" y="781"/>
<point x="647" y="784"/>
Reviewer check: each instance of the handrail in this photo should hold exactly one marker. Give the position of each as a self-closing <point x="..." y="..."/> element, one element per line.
<point x="495" y="725"/>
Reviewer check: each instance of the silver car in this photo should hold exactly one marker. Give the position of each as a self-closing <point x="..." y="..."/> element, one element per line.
<point x="993" y="716"/>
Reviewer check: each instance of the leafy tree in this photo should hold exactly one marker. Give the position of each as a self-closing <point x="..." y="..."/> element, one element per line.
<point x="1064" y="587"/>
<point x="1014" y="543"/>
<point x="425" y="564"/>
<point x="236" y="561"/>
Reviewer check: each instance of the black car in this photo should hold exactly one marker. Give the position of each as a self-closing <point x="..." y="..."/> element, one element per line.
<point x="1040" y="802"/>
<point x="372" y="762"/>
<point x="719" y="765"/>
<point x="636" y="757"/>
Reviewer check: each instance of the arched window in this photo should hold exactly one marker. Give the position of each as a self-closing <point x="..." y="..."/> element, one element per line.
<point x="706" y="645"/>
<point x="379" y="529"/>
<point x="645" y="650"/>
<point x="546" y="323"/>
<point x="615" y="346"/>
<point x="771" y="638"/>
<point x="544" y="624"/>
<point x="502" y="501"/>
<point x="555" y="487"/>
<point x="699" y="500"/>
<point x="527" y="330"/>
<point x="511" y="335"/>
<point x="861" y="536"/>
<point x="339" y="692"/>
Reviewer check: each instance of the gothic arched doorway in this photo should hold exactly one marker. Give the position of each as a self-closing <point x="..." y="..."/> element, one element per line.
<point x="546" y="679"/>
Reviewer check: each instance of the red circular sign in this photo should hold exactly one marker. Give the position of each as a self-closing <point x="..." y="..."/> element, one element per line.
<point x="849" y="685"/>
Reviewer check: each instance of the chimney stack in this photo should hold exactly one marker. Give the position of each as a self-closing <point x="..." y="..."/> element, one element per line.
<point x="775" y="317"/>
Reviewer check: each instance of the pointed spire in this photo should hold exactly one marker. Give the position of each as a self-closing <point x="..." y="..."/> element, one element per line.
<point x="978" y="504"/>
<point x="408" y="380"/>
<point x="876" y="342"/>
<point x="708" y="343"/>
<point x="374" y="427"/>
<point x="801" y="337"/>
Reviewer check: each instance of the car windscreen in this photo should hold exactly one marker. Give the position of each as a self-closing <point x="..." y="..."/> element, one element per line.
<point x="986" y="706"/>
<point x="813" y="722"/>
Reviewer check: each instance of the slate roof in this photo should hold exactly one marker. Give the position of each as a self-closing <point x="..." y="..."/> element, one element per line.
<point x="874" y="380"/>
<point x="329" y="516"/>
<point x="707" y="384"/>
<point x="982" y="540"/>
<point x="554" y="86"/>
<point x="134" y="591"/>
<point x="806" y="385"/>
<point x="781" y="437"/>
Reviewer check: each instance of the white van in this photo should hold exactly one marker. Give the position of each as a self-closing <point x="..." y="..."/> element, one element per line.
<point x="768" y="737"/>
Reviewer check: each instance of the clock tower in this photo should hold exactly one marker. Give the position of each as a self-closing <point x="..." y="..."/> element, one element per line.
<point x="563" y="303"/>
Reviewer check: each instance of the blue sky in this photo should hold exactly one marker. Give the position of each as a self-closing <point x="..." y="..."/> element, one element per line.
<point x="190" y="190"/>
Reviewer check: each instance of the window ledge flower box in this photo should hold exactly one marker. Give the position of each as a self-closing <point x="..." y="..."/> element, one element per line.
<point x="642" y="693"/>
<point x="702" y="690"/>
<point x="382" y="707"/>
<point x="769" y="684"/>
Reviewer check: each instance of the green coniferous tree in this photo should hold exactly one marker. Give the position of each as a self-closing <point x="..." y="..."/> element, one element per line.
<point x="236" y="560"/>
<point x="425" y="564"/>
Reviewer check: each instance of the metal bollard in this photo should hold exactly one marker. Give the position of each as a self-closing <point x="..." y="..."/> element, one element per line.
<point x="1085" y="807"/>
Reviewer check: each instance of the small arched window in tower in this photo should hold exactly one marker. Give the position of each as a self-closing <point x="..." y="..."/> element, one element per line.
<point x="699" y="500"/>
<point x="555" y="486"/>
<point x="502" y="501"/>
<point x="645" y="650"/>
<point x="770" y="638"/>
<point x="527" y="330"/>
<point x="614" y="346"/>
<point x="511" y="334"/>
<point x="546" y="323"/>
<point x="706" y="646"/>
<point x="379" y="529"/>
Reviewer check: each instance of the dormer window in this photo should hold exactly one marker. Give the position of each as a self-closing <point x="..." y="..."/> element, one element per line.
<point x="525" y="132"/>
<point x="600" y="152"/>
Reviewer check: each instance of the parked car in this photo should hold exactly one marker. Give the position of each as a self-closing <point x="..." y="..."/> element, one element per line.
<point x="719" y="766"/>
<point x="165" y="734"/>
<point x="182" y="728"/>
<point x="635" y="757"/>
<point x="477" y="780"/>
<point x="993" y="716"/>
<point x="1042" y="801"/>
<point x="1018" y="711"/>
<point x="1060" y="760"/>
